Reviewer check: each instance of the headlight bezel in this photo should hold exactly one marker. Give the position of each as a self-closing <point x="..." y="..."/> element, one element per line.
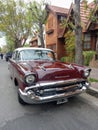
<point x="86" y="73"/>
<point x="30" y="79"/>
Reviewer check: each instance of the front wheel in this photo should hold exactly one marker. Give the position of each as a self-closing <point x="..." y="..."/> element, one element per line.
<point x="20" y="100"/>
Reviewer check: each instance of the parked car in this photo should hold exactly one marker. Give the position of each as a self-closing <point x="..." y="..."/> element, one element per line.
<point x="8" y="55"/>
<point x="41" y="78"/>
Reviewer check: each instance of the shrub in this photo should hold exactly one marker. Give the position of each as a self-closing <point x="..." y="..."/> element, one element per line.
<point x="93" y="80"/>
<point x="69" y="59"/>
<point x="88" y="55"/>
<point x="63" y="59"/>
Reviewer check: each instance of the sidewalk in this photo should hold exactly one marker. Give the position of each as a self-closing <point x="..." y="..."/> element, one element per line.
<point x="93" y="89"/>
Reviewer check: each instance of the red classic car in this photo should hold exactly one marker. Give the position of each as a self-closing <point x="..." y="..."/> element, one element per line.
<point x="41" y="78"/>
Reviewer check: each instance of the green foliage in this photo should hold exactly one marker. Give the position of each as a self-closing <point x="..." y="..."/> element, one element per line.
<point x="93" y="80"/>
<point x="70" y="42"/>
<point x="0" y="49"/>
<point x="92" y="15"/>
<point x="70" y="46"/>
<point x="68" y="59"/>
<point x="26" y="45"/>
<point x="38" y="11"/>
<point x="68" y="24"/>
<point x="63" y="59"/>
<point x="15" y="20"/>
<point x="88" y="55"/>
<point x="10" y="44"/>
<point x="39" y="15"/>
<point x="4" y="49"/>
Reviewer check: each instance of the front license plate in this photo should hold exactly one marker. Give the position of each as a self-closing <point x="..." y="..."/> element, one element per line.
<point x="62" y="101"/>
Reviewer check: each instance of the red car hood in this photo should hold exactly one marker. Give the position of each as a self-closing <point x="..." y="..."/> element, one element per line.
<point x="47" y="71"/>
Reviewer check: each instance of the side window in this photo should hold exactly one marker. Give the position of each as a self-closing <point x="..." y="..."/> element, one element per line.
<point x="15" y="55"/>
<point x="18" y="57"/>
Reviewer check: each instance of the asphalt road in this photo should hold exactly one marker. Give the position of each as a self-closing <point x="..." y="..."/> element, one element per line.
<point x="80" y="113"/>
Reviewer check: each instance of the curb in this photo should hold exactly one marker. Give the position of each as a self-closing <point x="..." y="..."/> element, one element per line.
<point x="92" y="91"/>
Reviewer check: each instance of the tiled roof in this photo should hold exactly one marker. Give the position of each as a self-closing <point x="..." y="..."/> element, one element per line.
<point x="94" y="7"/>
<point x="85" y="13"/>
<point x="58" y="9"/>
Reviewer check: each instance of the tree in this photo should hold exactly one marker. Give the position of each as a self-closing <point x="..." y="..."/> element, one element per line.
<point x="39" y="15"/>
<point x="10" y="46"/>
<point x="73" y="36"/>
<point x="78" y="28"/>
<point x="69" y="40"/>
<point x="0" y="49"/>
<point x="15" y="21"/>
<point x="78" y="34"/>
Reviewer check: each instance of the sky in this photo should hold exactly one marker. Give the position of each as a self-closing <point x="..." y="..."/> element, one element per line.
<point x="60" y="3"/>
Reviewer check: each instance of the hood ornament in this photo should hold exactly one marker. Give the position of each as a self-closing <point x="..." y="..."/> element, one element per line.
<point x="42" y="67"/>
<point x="70" y="66"/>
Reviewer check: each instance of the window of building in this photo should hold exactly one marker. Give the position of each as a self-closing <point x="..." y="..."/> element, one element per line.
<point x="87" y="42"/>
<point x="61" y="18"/>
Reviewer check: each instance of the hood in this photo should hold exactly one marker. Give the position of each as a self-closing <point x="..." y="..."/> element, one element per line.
<point x="48" y="70"/>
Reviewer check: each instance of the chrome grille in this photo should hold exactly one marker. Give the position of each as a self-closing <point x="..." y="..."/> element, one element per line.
<point x="57" y="89"/>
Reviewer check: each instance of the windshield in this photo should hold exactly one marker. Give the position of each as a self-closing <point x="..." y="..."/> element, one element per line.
<point x="37" y="55"/>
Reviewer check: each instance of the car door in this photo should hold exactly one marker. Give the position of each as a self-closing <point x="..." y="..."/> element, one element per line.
<point x="13" y="64"/>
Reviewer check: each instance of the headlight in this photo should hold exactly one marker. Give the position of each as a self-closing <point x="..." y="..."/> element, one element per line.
<point x="87" y="72"/>
<point x="29" y="79"/>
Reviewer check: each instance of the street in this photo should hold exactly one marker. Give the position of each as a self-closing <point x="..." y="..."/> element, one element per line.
<point x="80" y="113"/>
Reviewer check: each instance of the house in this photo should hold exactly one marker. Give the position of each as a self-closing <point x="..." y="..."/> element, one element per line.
<point x="89" y="22"/>
<point x="54" y="30"/>
<point x="35" y="41"/>
<point x="90" y="26"/>
<point x="92" y="29"/>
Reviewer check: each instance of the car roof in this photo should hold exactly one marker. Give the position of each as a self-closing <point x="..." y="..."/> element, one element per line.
<point x="32" y="48"/>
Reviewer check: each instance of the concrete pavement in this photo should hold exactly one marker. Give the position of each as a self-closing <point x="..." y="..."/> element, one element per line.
<point x="93" y="89"/>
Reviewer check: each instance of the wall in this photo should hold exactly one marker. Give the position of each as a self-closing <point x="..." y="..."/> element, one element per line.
<point x="51" y="37"/>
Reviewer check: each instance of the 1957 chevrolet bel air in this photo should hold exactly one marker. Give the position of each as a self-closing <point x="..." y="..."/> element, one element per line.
<point x="41" y="78"/>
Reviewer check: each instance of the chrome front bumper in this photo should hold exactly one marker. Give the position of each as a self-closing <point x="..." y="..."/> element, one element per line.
<point x="29" y="96"/>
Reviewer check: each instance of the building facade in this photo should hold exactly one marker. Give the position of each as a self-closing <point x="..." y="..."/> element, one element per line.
<point x="55" y="30"/>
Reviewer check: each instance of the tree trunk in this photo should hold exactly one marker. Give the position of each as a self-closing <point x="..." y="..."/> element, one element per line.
<point x="23" y="42"/>
<point x="41" y="35"/>
<point x="17" y="43"/>
<point x="78" y="34"/>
